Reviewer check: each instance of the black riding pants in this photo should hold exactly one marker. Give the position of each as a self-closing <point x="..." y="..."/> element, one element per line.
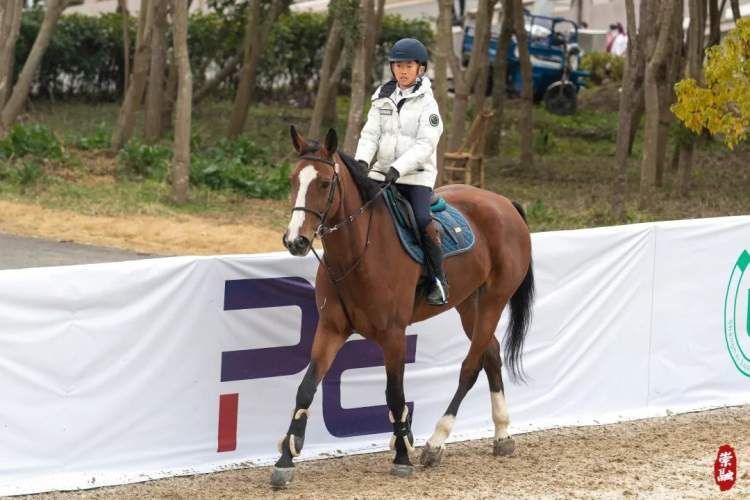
<point x="419" y="197"/>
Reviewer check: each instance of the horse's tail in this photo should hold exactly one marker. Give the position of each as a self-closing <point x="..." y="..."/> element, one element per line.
<point x="520" y="317"/>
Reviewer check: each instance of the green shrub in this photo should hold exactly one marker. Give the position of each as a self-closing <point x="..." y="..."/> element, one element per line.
<point x="241" y="166"/>
<point x="31" y="140"/>
<point x="100" y="139"/>
<point x="603" y="66"/>
<point x="144" y="160"/>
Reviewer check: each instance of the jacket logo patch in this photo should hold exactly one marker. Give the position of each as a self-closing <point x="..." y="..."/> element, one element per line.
<point x="434" y="120"/>
<point x="386" y="111"/>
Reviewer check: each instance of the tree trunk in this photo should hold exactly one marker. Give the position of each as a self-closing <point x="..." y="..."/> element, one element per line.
<point x="372" y="41"/>
<point x="10" y="24"/>
<point x="357" y="101"/>
<point x="525" y="122"/>
<point x="331" y="56"/>
<point x="170" y="92"/>
<point x="256" y="35"/>
<point x="464" y="80"/>
<point x="674" y="68"/>
<point x="152" y="127"/>
<point x="125" y="14"/>
<point x="630" y="87"/>
<point x="714" y="23"/>
<point x="694" y="70"/>
<point x="499" y="82"/>
<point x="181" y="163"/>
<point x="735" y="10"/>
<point x="134" y="95"/>
<point x="22" y="87"/>
<point x="442" y="52"/>
<point x="655" y="69"/>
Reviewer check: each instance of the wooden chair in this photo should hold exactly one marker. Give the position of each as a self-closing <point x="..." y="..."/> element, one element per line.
<point x="467" y="164"/>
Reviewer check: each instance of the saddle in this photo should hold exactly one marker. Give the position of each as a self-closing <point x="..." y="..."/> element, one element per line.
<point x="456" y="235"/>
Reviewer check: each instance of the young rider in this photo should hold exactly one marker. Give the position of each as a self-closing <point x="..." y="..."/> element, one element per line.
<point x="403" y="128"/>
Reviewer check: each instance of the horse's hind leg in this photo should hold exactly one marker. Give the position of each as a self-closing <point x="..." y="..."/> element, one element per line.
<point x="503" y="444"/>
<point x="479" y="317"/>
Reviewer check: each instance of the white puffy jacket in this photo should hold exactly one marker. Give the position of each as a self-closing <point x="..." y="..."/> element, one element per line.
<point x="405" y="139"/>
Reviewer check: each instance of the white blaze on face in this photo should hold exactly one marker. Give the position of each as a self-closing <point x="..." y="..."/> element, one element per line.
<point x="306" y="176"/>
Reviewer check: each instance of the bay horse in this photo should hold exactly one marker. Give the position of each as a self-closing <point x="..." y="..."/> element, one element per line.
<point x="367" y="283"/>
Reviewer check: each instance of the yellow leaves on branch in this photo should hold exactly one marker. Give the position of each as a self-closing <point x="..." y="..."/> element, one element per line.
<point x="722" y="105"/>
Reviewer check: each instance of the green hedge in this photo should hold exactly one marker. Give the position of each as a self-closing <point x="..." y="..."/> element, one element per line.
<point x="85" y="56"/>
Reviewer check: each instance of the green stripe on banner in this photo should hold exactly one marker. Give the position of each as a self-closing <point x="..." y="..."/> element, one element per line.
<point x="743" y="261"/>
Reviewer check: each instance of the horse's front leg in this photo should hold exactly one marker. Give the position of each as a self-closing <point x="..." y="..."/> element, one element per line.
<point x="325" y="346"/>
<point x="402" y="441"/>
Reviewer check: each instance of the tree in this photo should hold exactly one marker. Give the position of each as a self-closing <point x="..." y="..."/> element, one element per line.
<point x="134" y="94"/>
<point x="442" y="54"/>
<point x="20" y="93"/>
<point x="10" y="23"/>
<point x="152" y="127"/>
<point x="260" y="18"/>
<point x="694" y="71"/>
<point x="525" y="122"/>
<point x="632" y="92"/>
<point x="333" y="62"/>
<point x="465" y="79"/>
<point x="362" y="63"/>
<point x="499" y="81"/>
<point x="722" y="105"/>
<point x="180" y="173"/>
<point x="122" y="6"/>
<point x="654" y="75"/>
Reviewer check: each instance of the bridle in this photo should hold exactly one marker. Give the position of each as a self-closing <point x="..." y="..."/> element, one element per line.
<point x="323" y="230"/>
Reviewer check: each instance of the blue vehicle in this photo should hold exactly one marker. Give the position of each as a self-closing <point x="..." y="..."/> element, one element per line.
<point x="555" y="59"/>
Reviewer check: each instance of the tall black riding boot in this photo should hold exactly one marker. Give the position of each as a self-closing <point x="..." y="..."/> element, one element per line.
<point x="437" y="294"/>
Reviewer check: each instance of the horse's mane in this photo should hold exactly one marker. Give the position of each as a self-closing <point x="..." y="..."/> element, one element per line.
<point x="367" y="187"/>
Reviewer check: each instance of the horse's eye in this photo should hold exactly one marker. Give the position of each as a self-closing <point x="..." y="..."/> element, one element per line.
<point x="325" y="184"/>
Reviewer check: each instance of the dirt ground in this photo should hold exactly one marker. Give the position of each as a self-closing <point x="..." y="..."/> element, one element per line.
<point x="669" y="457"/>
<point x="177" y="235"/>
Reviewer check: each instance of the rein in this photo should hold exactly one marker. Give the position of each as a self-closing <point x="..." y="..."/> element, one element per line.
<point x="322" y="230"/>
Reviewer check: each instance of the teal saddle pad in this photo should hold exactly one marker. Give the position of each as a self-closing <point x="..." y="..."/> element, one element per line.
<point x="456" y="235"/>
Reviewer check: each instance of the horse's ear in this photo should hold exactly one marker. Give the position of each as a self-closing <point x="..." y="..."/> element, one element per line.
<point x="299" y="142"/>
<point x="332" y="142"/>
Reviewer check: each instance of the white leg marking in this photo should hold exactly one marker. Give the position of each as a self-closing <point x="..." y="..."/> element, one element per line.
<point x="443" y="429"/>
<point x="500" y="415"/>
<point x="306" y="176"/>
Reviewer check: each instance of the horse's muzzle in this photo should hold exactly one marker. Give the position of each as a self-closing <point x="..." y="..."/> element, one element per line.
<point x="299" y="247"/>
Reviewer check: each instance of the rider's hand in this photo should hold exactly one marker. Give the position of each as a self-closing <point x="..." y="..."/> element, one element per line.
<point x="392" y="175"/>
<point x="363" y="164"/>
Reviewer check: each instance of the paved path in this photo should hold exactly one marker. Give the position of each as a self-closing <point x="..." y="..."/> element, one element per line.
<point x="18" y="252"/>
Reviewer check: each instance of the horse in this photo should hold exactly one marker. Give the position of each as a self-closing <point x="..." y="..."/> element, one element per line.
<point x="366" y="283"/>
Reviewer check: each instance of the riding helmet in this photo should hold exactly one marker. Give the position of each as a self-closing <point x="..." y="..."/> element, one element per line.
<point x="408" y="49"/>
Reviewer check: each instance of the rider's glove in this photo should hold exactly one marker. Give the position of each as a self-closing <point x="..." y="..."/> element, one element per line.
<point x="391" y="175"/>
<point x="363" y="164"/>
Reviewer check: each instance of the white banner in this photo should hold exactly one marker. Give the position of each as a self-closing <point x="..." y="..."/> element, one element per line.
<point x="113" y="373"/>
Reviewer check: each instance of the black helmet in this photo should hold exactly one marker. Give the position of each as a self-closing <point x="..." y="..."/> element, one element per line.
<point x="408" y="49"/>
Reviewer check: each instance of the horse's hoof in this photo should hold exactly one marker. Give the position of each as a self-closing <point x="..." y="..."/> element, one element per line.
<point x="430" y="456"/>
<point x="505" y="447"/>
<point x="401" y="470"/>
<point x="281" y="476"/>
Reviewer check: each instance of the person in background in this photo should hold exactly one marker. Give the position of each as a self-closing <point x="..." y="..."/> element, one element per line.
<point x="617" y="40"/>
